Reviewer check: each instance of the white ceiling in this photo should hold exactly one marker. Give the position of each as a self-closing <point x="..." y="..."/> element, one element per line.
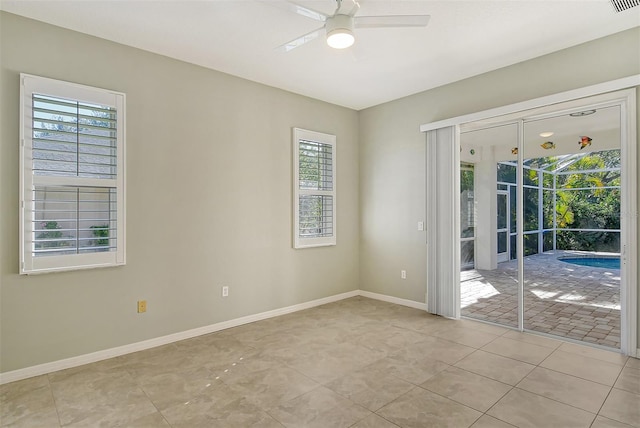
<point x="239" y="37"/>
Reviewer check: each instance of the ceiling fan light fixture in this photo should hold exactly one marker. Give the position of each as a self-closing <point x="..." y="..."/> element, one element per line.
<point x="340" y="31"/>
<point x="340" y="39"/>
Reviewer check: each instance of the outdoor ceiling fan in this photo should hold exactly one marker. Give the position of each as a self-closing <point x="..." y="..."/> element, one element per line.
<point x="339" y="26"/>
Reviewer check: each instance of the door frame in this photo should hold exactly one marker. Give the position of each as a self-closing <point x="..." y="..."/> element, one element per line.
<point x="625" y="96"/>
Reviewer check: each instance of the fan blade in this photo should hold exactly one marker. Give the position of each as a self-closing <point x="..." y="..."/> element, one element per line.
<point x="297" y="42"/>
<point x="302" y="10"/>
<point x="391" y="21"/>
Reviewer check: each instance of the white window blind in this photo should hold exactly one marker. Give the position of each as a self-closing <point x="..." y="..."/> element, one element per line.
<point x="314" y="188"/>
<point x="72" y="176"/>
<point x="73" y="139"/>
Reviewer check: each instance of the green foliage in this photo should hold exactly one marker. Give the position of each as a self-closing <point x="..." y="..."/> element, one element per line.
<point x="506" y="173"/>
<point x="531" y="177"/>
<point x="467" y="217"/>
<point x="564" y="215"/>
<point x="585" y="199"/>
<point x="595" y="207"/>
<point x="466" y="180"/>
<point x="315" y="166"/>
<point x="50" y="234"/>
<point x="101" y="232"/>
<point x="531" y="209"/>
<point x="530" y="244"/>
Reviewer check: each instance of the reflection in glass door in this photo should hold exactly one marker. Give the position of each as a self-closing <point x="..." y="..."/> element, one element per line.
<point x="570" y="214"/>
<point x="552" y="234"/>
<point x="502" y="209"/>
<point x="571" y="210"/>
<point x="489" y="286"/>
<point x="467" y="218"/>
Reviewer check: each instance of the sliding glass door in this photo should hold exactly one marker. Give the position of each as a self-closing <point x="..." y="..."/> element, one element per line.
<point x="540" y="209"/>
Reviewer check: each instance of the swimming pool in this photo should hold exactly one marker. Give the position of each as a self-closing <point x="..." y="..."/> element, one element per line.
<point x="598" y="262"/>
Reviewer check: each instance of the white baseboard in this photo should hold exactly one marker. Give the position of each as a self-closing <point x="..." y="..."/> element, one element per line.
<point x="93" y="357"/>
<point x="396" y="300"/>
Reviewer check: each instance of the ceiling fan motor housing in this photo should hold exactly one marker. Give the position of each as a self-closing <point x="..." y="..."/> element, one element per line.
<point x="340" y="26"/>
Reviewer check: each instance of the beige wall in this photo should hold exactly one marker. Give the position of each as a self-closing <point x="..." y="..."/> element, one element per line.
<point x="392" y="149"/>
<point x="209" y="193"/>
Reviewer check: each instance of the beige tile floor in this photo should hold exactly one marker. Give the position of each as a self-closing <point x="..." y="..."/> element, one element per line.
<point x="354" y="363"/>
<point x="563" y="299"/>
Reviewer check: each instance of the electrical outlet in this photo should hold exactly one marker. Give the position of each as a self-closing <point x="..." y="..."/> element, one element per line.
<point x="225" y="291"/>
<point x="142" y="306"/>
<point x="421" y="226"/>
<point x="403" y="274"/>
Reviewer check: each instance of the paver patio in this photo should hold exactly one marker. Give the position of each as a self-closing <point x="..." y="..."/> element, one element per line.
<point x="563" y="299"/>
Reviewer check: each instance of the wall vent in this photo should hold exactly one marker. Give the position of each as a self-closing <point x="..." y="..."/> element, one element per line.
<point x="621" y="5"/>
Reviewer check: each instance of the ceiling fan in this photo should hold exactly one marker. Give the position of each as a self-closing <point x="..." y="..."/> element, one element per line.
<point x="339" y="26"/>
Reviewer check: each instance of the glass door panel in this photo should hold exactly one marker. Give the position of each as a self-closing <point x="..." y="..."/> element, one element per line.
<point x="571" y="233"/>
<point x="488" y="279"/>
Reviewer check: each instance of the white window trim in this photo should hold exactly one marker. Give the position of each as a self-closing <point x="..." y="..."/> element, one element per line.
<point x="29" y="85"/>
<point x="302" y="242"/>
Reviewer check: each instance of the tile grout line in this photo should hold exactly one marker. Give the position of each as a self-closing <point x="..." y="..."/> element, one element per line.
<point x="149" y="398"/>
<point x="577" y="377"/>
<point x="609" y="393"/>
<point x="497" y="401"/>
<point x="53" y="397"/>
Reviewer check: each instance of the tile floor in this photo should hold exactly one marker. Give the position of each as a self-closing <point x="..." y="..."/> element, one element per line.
<point x="563" y="299"/>
<point x="354" y="363"/>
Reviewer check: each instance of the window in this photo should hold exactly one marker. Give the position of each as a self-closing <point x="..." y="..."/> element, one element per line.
<point x="71" y="176"/>
<point x="314" y="189"/>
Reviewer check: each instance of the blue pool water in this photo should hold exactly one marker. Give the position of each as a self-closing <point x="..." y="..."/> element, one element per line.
<point x="599" y="262"/>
